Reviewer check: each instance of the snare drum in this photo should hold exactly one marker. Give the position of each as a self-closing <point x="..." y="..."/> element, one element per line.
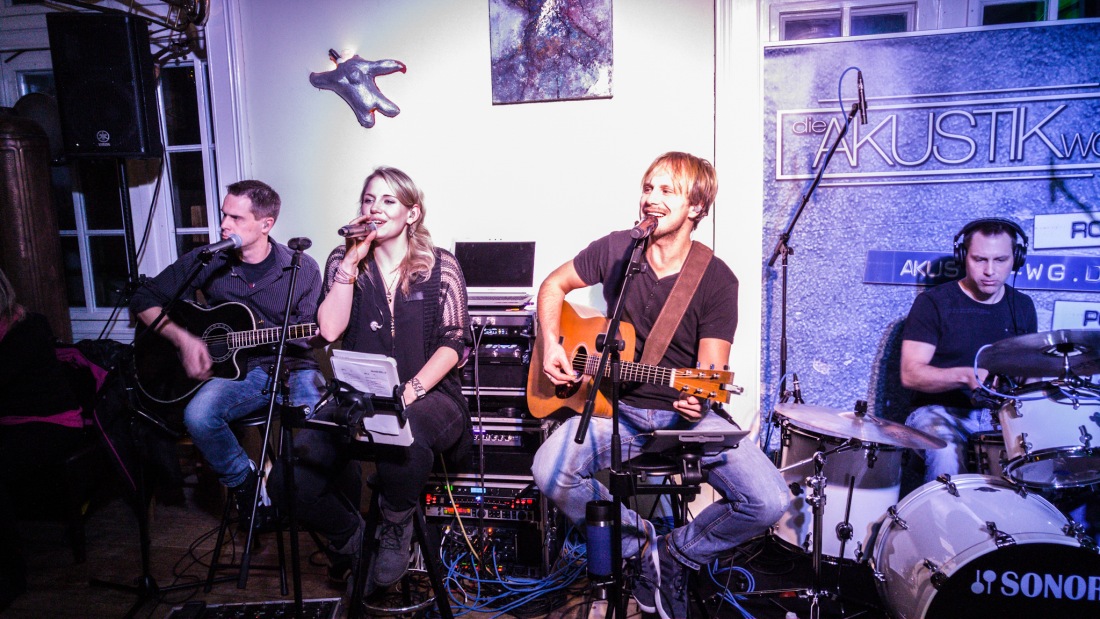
<point x="981" y="543"/>
<point x="873" y="473"/>
<point x="1050" y="444"/>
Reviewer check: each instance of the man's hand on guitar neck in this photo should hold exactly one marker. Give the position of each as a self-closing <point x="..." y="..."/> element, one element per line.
<point x="690" y="407"/>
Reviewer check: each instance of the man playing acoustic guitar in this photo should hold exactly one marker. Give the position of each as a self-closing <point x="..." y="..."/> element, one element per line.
<point x="678" y="190"/>
<point x="257" y="276"/>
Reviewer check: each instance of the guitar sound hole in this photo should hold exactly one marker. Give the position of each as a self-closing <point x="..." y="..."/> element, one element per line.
<point x="217" y="342"/>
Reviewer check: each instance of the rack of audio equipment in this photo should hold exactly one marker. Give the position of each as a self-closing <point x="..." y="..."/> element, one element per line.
<point x="492" y="494"/>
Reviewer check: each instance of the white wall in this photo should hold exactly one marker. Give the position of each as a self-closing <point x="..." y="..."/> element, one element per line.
<point x="558" y="173"/>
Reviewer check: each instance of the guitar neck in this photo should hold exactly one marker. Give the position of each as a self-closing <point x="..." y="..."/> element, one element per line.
<point x="259" y="337"/>
<point x="628" y="370"/>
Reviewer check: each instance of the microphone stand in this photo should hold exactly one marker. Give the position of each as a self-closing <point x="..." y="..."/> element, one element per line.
<point x="610" y="347"/>
<point x="146" y="587"/>
<point x="299" y="245"/>
<point x="782" y="248"/>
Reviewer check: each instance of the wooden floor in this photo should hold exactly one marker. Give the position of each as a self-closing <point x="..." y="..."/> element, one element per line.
<point x="182" y="541"/>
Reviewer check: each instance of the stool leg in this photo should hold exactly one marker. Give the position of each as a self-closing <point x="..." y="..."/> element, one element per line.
<point x="216" y="557"/>
<point x="431" y="559"/>
<point x="362" y="571"/>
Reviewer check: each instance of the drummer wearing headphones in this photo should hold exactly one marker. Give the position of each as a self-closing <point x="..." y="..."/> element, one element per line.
<point x="946" y="327"/>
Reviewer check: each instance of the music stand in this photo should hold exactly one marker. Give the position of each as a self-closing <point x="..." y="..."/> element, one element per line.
<point x="710" y="443"/>
<point x="364" y="418"/>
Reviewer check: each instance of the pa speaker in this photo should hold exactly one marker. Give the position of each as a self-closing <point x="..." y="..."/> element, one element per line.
<point x="106" y="87"/>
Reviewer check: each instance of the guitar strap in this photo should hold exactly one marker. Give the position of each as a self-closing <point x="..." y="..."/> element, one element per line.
<point x="682" y="291"/>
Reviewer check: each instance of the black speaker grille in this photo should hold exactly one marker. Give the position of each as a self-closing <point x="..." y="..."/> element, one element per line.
<point x="106" y="90"/>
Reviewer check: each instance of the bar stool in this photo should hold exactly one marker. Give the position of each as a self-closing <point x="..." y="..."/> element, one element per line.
<point x="363" y="573"/>
<point x="256" y="418"/>
<point x="686" y="465"/>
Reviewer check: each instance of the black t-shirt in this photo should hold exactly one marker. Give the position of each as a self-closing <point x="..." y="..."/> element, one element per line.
<point x="959" y="326"/>
<point x="712" y="312"/>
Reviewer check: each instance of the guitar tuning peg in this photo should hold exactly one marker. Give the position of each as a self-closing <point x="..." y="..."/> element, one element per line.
<point x="698" y="365"/>
<point x="725" y="368"/>
<point x="712" y="366"/>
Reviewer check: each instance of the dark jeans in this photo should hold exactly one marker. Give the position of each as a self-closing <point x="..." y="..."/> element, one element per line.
<point x="327" y="475"/>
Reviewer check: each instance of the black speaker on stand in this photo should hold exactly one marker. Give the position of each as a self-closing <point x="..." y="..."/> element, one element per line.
<point x="106" y="85"/>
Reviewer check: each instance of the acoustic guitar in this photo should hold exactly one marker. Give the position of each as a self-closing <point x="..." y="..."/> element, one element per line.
<point x="580" y="327"/>
<point x="227" y="329"/>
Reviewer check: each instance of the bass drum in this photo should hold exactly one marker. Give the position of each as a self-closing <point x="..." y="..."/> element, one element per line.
<point x="981" y="543"/>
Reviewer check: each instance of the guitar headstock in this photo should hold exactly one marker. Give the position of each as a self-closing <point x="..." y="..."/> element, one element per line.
<point x="710" y="383"/>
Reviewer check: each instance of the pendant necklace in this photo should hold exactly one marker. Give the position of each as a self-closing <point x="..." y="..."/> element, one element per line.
<point x="390" y="290"/>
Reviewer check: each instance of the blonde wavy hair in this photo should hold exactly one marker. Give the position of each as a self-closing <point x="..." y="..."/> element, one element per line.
<point x="420" y="259"/>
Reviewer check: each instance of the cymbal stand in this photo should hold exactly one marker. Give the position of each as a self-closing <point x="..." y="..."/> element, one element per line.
<point x="816" y="498"/>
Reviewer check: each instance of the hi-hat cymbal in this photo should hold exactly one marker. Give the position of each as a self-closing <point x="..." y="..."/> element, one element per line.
<point x="1044" y="354"/>
<point x="847" y="424"/>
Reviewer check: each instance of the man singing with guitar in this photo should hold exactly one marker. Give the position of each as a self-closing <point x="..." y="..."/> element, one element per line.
<point x="678" y="190"/>
<point x="247" y="287"/>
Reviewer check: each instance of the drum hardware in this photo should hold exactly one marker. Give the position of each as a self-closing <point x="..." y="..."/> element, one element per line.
<point x="816" y="498"/>
<point x="952" y="489"/>
<point x="937" y="577"/>
<point x="898" y="520"/>
<point x="1000" y="538"/>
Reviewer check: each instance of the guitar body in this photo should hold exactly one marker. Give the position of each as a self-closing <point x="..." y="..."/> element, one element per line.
<point x="580" y="326"/>
<point x="160" y="373"/>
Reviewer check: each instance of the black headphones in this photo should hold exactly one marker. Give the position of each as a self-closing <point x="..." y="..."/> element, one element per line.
<point x="1019" y="240"/>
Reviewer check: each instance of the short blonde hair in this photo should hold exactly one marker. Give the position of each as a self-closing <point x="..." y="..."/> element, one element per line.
<point x="694" y="177"/>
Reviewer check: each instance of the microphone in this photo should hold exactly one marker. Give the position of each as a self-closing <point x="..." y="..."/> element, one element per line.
<point x="355" y="231"/>
<point x="233" y="242"/>
<point x="797" y="391"/>
<point x="644" y="228"/>
<point x="299" y="243"/>
<point x="862" y="98"/>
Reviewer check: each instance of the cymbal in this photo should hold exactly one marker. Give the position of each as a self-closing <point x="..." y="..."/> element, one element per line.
<point x="1044" y="354"/>
<point x="847" y="424"/>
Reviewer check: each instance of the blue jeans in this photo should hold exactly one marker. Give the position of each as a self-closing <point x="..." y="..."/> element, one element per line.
<point x="753" y="492"/>
<point x="954" y="425"/>
<point x="221" y="401"/>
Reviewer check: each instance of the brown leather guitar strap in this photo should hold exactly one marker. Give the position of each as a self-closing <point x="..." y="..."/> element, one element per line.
<point x="682" y="291"/>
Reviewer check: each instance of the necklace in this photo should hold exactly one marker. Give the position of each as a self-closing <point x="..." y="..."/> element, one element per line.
<point x="390" y="286"/>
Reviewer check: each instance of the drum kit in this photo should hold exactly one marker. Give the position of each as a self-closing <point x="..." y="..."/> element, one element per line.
<point x="988" y="540"/>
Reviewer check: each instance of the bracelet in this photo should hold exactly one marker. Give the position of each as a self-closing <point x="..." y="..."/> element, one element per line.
<point x="343" y="277"/>
<point x="418" y="388"/>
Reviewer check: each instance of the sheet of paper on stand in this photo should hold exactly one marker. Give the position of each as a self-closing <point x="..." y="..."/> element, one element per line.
<point x="376" y="375"/>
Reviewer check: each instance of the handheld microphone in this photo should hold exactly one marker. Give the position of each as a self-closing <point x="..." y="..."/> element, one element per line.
<point x="797" y="391"/>
<point x="354" y="231"/>
<point x="644" y="228"/>
<point x="862" y="98"/>
<point x="233" y="242"/>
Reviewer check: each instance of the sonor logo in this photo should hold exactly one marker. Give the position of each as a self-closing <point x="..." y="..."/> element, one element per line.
<point x="1032" y="585"/>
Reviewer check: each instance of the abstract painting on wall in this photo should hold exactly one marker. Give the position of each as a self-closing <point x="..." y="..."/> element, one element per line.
<point x="550" y="50"/>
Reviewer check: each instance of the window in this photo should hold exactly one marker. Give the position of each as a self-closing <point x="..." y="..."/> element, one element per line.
<point x="90" y="210"/>
<point x="997" y="12"/>
<point x="822" y="20"/>
<point x="190" y="155"/>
